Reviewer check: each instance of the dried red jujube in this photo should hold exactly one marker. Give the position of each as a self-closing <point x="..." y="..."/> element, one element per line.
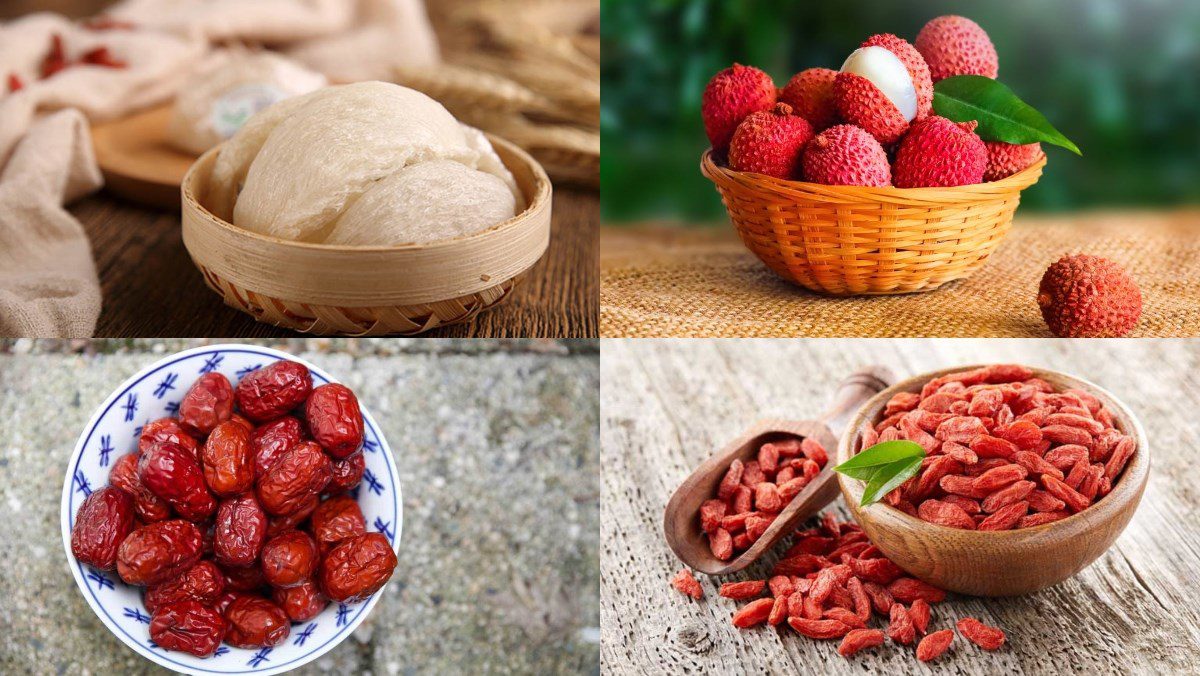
<point x="335" y="420"/>
<point x="208" y="403"/>
<point x="102" y="522"/>
<point x="273" y="390"/>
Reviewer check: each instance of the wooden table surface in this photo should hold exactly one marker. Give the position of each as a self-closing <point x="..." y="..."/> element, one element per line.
<point x="668" y="404"/>
<point x="152" y="289"/>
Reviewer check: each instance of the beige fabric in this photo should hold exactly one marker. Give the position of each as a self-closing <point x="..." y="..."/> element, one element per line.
<point x="346" y="40"/>
<point x="661" y="281"/>
<point x="47" y="280"/>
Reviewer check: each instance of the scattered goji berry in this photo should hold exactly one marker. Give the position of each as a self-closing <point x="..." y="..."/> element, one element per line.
<point x="860" y="639"/>
<point x="934" y="645"/>
<point x="988" y="638"/>
<point x="687" y="584"/>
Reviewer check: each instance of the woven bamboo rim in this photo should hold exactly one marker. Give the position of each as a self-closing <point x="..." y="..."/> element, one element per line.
<point x="851" y="240"/>
<point x="367" y="291"/>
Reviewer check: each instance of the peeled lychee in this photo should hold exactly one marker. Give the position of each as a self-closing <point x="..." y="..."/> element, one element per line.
<point x="810" y="94"/>
<point x="883" y="86"/>
<point x="729" y="97"/>
<point x="770" y="142"/>
<point x="1006" y="159"/>
<point x="955" y="45"/>
<point x="846" y="155"/>
<point x="1084" y="296"/>
<point x="939" y="153"/>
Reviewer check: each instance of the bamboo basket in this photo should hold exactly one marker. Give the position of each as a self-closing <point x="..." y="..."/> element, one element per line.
<point x="367" y="291"/>
<point x="852" y="240"/>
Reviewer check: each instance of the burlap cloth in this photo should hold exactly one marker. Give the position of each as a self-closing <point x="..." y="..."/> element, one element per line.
<point x="658" y="281"/>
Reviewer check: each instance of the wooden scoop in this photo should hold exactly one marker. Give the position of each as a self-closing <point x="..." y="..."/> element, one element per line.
<point x="681" y="521"/>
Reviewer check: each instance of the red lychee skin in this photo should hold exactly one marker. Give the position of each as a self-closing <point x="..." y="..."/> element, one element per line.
<point x="1006" y="159"/>
<point x="939" y="153"/>
<point x="917" y="68"/>
<point x="729" y="97"/>
<point x="770" y="142"/>
<point x="1084" y="296"/>
<point x="846" y="155"/>
<point x="859" y="102"/>
<point x="810" y="94"/>
<point x="955" y="45"/>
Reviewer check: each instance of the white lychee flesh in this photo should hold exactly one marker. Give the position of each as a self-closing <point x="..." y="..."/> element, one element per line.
<point x="888" y="73"/>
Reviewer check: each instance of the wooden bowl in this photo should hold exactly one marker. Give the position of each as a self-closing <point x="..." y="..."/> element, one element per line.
<point x="999" y="563"/>
<point x="370" y="290"/>
<point x="681" y="522"/>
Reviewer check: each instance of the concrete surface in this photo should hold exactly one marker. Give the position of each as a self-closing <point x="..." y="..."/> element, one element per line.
<point x="497" y="446"/>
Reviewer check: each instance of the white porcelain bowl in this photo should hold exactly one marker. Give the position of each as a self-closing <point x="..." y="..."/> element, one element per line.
<point x="113" y="431"/>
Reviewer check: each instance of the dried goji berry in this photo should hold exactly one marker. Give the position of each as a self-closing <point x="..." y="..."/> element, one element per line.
<point x="767" y="498"/>
<point x="813" y="450"/>
<point x="721" y="544"/>
<point x="818" y="629"/>
<point x="982" y="635"/>
<point x="1063" y="434"/>
<point x="945" y="514"/>
<point x="934" y="645"/>
<point x="778" y="611"/>
<point x="753" y="613"/>
<point x="731" y="481"/>
<point x="919" y="613"/>
<point x="908" y="589"/>
<point x="999" y="477"/>
<point x="711" y="513"/>
<point x="741" y="591"/>
<point x="860" y="639"/>
<point x="1006" y="517"/>
<point x="1015" y="492"/>
<point x="1060" y="490"/>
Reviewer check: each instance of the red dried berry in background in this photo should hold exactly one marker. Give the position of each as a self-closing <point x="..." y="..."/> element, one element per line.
<point x="241" y="531"/>
<point x="203" y="583"/>
<point x="335" y="420"/>
<point x="860" y="639"/>
<point x="900" y="628"/>
<point x="289" y="559"/>
<point x="189" y="627"/>
<point x="208" y="403"/>
<point x="919" y="613"/>
<point x="148" y="506"/>
<point x="227" y="460"/>
<point x="255" y="623"/>
<point x="356" y="568"/>
<point x="102" y="522"/>
<point x="335" y="520"/>
<point x="159" y="552"/>
<point x="302" y="602"/>
<point x="347" y="474"/>
<point x="273" y="390"/>
<point x="300" y="473"/>
<point x="14" y="83"/>
<point x="687" y="584"/>
<point x="171" y="472"/>
<point x="273" y="440"/>
<point x="167" y="429"/>
<point x="55" y="59"/>
<point x="988" y="638"/>
<point x="908" y="589"/>
<point x="100" y="56"/>
<point x="934" y="645"/>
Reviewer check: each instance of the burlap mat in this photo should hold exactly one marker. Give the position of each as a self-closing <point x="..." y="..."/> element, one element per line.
<point x="659" y="281"/>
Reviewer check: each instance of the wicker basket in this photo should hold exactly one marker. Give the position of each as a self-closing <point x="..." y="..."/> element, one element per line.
<point x="367" y="291"/>
<point x="851" y="240"/>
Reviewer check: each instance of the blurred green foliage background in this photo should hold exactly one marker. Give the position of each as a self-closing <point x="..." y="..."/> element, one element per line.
<point x="1120" y="78"/>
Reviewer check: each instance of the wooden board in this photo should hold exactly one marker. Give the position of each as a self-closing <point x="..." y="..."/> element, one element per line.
<point x="137" y="161"/>
<point x="667" y="403"/>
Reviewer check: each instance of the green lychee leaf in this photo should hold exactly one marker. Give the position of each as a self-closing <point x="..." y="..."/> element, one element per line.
<point x="1001" y="114"/>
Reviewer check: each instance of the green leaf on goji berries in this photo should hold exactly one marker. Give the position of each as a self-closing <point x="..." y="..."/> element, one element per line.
<point x="883" y="467"/>
<point x="888" y="477"/>
<point x="1001" y="114"/>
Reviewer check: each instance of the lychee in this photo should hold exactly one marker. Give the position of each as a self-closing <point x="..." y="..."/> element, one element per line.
<point x="770" y="142"/>
<point x="1006" y="159"/>
<point x="846" y="155"/>
<point x="729" y="97"/>
<point x="955" y="45"/>
<point x="939" y="153"/>
<point x="883" y="86"/>
<point x="810" y="94"/>
<point x="1084" y="296"/>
